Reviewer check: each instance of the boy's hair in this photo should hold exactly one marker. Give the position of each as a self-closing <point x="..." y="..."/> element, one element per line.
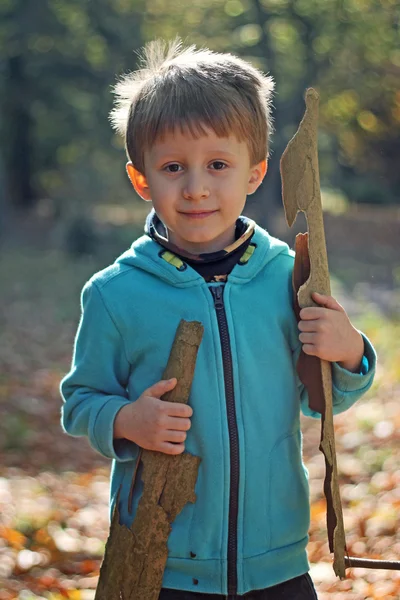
<point x="193" y="90"/>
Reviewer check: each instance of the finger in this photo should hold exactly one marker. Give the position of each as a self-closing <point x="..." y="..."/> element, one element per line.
<point x="312" y="313"/>
<point x="160" y="388"/>
<point x="177" y="409"/>
<point x="327" y="301"/>
<point x="175" y="436"/>
<point x="307" y="338"/>
<point x="309" y="349"/>
<point x="169" y="448"/>
<point x="178" y="424"/>
<point x="308" y="326"/>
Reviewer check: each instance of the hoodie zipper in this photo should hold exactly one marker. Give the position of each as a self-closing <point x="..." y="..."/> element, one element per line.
<point x="218" y="293"/>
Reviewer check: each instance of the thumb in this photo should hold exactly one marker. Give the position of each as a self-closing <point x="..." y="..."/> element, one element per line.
<point x="160" y="388"/>
<point x="327" y="301"/>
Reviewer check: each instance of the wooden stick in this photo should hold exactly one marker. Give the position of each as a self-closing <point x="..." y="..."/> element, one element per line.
<point x="370" y="563"/>
<point x="301" y="192"/>
<point x="135" y="558"/>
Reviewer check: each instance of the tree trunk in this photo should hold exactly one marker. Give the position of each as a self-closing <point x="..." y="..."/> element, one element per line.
<point x="17" y="130"/>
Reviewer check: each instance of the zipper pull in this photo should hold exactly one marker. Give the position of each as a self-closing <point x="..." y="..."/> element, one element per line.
<point x="218" y="293"/>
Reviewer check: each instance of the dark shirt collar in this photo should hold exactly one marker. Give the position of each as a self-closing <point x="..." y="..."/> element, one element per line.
<point x="211" y="265"/>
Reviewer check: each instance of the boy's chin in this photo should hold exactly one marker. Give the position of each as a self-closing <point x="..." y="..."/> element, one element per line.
<point x="203" y="245"/>
<point x="202" y="241"/>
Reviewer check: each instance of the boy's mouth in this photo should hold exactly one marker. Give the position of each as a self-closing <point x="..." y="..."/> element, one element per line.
<point x="198" y="214"/>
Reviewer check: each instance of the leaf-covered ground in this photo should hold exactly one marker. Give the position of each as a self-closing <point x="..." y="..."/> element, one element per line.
<point x="54" y="489"/>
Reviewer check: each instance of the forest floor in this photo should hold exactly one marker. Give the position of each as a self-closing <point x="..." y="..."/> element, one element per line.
<point x="54" y="489"/>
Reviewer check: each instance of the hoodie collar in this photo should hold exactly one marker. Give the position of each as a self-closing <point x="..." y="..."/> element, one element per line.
<point x="156" y="229"/>
<point x="146" y="254"/>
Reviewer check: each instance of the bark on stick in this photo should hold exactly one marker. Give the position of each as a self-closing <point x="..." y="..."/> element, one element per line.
<point x="135" y="557"/>
<point x="301" y="192"/>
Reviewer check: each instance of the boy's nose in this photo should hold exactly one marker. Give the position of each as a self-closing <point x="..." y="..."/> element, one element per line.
<point x="194" y="189"/>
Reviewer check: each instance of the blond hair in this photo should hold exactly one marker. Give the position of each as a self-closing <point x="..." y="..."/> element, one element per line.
<point x="192" y="89"/>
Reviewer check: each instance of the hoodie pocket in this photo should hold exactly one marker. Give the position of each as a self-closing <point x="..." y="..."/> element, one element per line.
<point x="289" y="493"/>
<point x="178" y="540"/>
<point x="178" y="544"/>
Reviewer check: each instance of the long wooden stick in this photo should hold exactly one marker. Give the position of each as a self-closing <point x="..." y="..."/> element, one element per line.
<point x="135" y="558"/>
<point x="301" y="192"/>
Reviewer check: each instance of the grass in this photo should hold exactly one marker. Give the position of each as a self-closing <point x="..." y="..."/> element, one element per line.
<point x="385" y="334"/>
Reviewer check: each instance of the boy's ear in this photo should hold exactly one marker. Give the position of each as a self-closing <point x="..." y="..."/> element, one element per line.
<point x="138" y="181"/>
<point x="257" y="174"/>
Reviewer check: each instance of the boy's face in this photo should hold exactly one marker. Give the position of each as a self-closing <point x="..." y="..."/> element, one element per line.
<point x="198" y="187"/>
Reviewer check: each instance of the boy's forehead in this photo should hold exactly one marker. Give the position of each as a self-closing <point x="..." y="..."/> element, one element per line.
<point x="206" y="140"/>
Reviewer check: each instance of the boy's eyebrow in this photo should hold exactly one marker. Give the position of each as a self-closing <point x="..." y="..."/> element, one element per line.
<point x="179" y="152"/>
<point x="219" y="151"/>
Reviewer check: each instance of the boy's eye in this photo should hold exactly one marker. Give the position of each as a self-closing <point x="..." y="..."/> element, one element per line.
<point x="173" y="168"/>
<point x="218" y="165"/>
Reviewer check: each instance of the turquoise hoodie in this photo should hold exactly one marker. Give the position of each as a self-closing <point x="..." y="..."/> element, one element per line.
<point x="248" y="528"/>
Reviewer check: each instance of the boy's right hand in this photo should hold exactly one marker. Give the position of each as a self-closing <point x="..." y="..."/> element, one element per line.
<point x="155" y="424"/>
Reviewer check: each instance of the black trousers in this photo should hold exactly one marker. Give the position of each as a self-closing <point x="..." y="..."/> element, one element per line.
<point x="299" y="588"/>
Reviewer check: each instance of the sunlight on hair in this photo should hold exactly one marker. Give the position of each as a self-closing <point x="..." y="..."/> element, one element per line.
<point x="192" y="89"/>
<point x="155" y="55"/>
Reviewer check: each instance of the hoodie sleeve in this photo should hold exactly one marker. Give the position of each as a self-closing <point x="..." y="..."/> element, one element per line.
<point x="96" y="387"/>
<point x="347" y="387"/>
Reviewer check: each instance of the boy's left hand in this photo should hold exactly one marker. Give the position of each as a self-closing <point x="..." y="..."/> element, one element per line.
<point x="327" y="332"/>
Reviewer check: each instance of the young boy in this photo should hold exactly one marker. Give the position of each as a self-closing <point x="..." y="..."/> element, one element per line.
<point x="196" y="126"/>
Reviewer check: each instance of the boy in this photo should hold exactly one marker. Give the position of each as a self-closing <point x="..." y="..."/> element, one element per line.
<point x="196" y="126"/>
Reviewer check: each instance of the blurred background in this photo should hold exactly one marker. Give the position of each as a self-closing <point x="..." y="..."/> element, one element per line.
<point x="68" y="210"/>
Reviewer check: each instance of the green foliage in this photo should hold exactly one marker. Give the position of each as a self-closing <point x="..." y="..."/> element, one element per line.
<point x="61" y="57"/>
<point x="16" y="432"/>
<point x="385" y="331"/>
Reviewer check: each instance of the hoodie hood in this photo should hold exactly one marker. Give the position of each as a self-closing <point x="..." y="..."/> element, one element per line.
<point x="146" y="254"/>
